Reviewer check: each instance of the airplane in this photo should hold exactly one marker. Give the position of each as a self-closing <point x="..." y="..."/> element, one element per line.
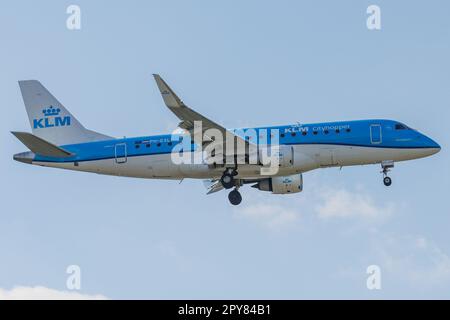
<point x="59" y="140"/>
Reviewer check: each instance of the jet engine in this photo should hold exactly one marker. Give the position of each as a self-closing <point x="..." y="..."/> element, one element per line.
<point x="281" y="185"/>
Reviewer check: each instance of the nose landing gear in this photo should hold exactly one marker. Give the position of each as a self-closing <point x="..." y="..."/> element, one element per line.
<point x="387" y="181"/>
<point x="387" y="166"/>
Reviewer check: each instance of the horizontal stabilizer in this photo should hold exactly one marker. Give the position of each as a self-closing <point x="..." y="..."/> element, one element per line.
<point x="40" y="146"/>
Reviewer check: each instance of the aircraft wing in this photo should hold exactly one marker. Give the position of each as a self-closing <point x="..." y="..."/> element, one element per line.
<point x="214" y="185"/>
<point x="188" y="116"/>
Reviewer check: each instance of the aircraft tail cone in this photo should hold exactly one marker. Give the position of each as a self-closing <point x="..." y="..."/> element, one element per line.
<point x="25" y="157"/>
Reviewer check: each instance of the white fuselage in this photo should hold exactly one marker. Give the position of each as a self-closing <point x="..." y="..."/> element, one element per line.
<point x="306" y="158"/>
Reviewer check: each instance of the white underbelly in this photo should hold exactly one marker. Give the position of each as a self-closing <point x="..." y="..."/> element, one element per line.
<point x="306" y="158"/>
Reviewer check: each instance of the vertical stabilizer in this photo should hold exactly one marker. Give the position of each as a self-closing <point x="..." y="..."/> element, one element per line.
<point x="50" y="120"/>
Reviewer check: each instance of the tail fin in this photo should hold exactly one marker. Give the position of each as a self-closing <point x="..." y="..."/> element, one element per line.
<point x="49" y="119"/>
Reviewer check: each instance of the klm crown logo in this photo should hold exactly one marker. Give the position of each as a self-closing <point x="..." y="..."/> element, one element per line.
<point x="51" y="119"/>
<point x="51" y="111"/>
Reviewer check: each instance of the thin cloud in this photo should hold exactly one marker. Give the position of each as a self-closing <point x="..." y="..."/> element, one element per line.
<point x="345" y="204"/>
<point x="413" y="259"/>
<point x="43" y="293"/>
<point x="271" y="216"/>
<point x="275" y="213"/>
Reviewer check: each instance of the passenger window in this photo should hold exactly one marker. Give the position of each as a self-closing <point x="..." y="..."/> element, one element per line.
<point x="158" y="144"/>
<point x="337" y="130"/>
<point x="325" y="131"/>
<point x="314" y="132"/>
<point x="348" y="130"/>
<point x="282" y="135"/>
<point x="148" y="145"/>
<point x="293" y="134"/>
<point x="304" y="133"/>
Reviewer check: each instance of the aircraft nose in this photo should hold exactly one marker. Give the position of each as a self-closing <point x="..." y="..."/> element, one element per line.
<point x="433" y="145"/>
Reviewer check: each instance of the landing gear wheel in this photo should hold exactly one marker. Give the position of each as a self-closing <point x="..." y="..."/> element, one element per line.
<point x="387" y="181"/>
<point x="227" y="181"/>
<point x="235" y="197"/>
<point x="387" y="165"/>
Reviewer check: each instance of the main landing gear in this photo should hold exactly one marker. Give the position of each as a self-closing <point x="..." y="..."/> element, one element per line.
<point x="228" y="181"/>
<point x="387" y="166"/>
<point x="227" y="178"/>
<point x="235" y="197"/>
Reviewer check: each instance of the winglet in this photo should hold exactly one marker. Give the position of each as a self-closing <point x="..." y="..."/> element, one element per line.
<point x="40" y="146"/>
<point x="170" y="98"/>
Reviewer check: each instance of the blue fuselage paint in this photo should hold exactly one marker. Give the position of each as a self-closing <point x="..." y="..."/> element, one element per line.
<point x="376" y="133"/>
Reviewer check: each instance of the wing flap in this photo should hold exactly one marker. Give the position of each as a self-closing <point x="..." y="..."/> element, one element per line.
<point x="213" y="186"/>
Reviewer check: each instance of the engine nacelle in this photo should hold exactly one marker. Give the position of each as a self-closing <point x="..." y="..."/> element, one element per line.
<point x="281" y="185"/>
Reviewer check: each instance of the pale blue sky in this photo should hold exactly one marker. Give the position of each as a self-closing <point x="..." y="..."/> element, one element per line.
<point x="240" y="63"/>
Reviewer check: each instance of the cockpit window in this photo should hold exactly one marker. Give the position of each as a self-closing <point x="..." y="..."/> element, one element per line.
<point x="400" y="126"/>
